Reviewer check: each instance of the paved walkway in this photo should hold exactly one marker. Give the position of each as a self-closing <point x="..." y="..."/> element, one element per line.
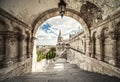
<point x="62" y="71"/>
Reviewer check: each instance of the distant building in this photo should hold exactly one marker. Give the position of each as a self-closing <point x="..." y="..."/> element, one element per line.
<point x="61" y="44"/>
<point x="75" y="41"/>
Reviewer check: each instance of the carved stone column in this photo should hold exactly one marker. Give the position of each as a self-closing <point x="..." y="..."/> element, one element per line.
<point x="93" y="45"/>
<point x="84" y="45"/>
<point x="113" y="38"/>
<point x="21" y="39"/>
<point x="88" y="47"/>
<point x="32" y="45"/>
<point x="28" y="47"/>
<point x="8" y="50"/>
<point x="101" y="47"/>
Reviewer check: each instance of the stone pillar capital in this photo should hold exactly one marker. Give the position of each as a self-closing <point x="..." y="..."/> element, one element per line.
<point x="33" y="38"/>
<point x="21" y="37"/>
<point x="9" y="35"/>
<point x="8" y="42"/>
<point x="100" y="37"/>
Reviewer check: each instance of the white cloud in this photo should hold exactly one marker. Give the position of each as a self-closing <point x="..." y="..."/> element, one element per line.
<point x="67" y="26"/>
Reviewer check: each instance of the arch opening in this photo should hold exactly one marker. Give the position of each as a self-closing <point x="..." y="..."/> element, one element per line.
<point x="48" y="35"/>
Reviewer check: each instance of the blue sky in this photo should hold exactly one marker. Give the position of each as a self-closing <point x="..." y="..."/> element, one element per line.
<point x="48" y="32"/>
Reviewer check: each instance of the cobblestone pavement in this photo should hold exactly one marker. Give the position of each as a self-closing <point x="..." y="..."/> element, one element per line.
<point x="62" y="71"/>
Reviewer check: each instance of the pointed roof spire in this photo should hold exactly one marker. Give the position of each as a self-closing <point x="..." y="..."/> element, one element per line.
<point x="59" y="33"/>
<point x="59" y="36"/>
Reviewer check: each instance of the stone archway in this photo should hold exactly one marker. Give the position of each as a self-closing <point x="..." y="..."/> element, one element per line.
<point x="111" y="41"/>
<point x="54" y="12"/>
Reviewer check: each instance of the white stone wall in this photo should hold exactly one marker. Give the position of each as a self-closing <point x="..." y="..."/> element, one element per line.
<point x="103" y="46"/>
<point x="92" y="65"/>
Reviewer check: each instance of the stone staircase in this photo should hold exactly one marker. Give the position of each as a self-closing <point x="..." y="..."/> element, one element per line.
<point x="62" y="71"/>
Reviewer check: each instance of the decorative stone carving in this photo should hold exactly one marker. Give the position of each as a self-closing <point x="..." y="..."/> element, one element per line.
<point x="112" y="30"/>
<point x="21" y="37"/>
<point x="9" y="41"/>
<point x="3" y="26"/>
<point x="112" y="35"/>
<point x="9" y="17"/>
<point x="90" y="12"/>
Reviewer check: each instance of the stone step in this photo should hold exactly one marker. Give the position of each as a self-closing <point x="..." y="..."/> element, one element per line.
<point x="63" y="72"/>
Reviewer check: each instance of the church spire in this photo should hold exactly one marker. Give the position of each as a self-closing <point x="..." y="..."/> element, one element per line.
<point x="59" y="33"/>
<point x="59" y="36"/>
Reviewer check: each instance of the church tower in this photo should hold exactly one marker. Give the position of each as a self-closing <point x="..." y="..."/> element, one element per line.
<point x="59" y="37"/>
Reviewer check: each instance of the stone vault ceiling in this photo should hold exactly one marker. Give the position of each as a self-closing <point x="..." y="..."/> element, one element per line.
<point x="28" y="10"/>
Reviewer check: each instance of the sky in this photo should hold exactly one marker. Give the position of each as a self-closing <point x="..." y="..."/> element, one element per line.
<point x="48" y="32"/>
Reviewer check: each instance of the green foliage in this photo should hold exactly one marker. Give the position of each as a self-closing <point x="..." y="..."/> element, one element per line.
<point x="49" y="55"/>
<point x="40" y="55"/>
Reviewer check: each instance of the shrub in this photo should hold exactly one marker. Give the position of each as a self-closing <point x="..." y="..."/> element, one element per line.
<point x="49" y="55"/>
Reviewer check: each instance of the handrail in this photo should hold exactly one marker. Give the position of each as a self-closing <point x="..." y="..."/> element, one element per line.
<point x="77" y="50"/>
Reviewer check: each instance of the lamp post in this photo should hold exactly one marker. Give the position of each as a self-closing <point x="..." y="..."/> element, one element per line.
<point x="62" y="7"/>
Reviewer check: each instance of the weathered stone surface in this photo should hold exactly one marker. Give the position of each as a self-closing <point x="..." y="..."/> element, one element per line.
<point x="70" y="73"/>
<point x="28" y="13"/>
<point x="94" y="65"/>
<point x="102" y="46"/>
<point x="100" y="39"/>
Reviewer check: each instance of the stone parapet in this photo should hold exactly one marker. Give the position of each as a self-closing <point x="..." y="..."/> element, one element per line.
<point x="93" y="65"/>
<point x="17" y="69"/>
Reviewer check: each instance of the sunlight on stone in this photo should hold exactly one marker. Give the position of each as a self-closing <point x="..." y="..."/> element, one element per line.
<point x="59" y="67"/>
<point x="34" y="57"/>
<point x="38" y="66"/>
<point x="58" y="64"/>
<point x="41" y="66"/>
